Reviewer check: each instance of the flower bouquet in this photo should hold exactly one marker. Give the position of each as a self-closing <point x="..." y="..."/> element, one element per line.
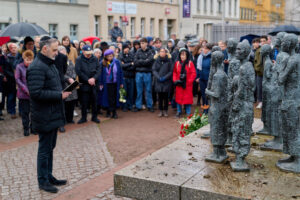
<point x="192" y="123"/>
<point x="122" y="92"/>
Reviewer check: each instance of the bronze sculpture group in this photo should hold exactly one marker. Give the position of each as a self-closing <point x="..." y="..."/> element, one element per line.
<point x="231" y="97"/>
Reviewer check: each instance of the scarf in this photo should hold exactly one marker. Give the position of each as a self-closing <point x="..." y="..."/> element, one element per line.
<point x="183" y="72"/>
<point x="68" y="49"/>
<point x="200" y="59"/>
<point x="111" y="70"/>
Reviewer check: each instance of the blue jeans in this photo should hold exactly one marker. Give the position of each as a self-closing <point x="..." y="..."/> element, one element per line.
<point x="129" y="87"/>
<point x="187" y="108"/>
<point x="143" y="80"/>
<point x="11" y="103"/>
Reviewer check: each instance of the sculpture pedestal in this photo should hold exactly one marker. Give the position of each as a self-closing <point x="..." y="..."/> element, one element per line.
<point x="179" y="171"/>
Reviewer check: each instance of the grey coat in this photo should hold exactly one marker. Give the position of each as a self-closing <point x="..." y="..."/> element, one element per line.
<point x="71" y="73"/>
<point x="162" y="67"/>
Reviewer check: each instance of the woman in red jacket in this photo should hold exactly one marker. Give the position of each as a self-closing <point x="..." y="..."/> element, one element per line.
<point x="183" y="78"/>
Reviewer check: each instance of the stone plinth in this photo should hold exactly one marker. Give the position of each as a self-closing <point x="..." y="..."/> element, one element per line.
<point x="179" y="171"/>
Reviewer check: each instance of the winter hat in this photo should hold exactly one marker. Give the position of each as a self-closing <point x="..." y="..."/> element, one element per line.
<point x="108" y="52"/>
<point x="44" y="38"/>
<point x="180" y="44"/>
<point x="125" y="46"/>
<point x="149" y="39"/>
<point x="172" y="41"/>
<point x="87" y="49"/>
<point x="28" y="39"/>
<point x="182" y="49"/>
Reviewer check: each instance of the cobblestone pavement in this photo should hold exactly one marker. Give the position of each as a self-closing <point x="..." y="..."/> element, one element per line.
<point x="11" y="129"/>
<point x="109" y="195"/>
<point x="80" y="155"/>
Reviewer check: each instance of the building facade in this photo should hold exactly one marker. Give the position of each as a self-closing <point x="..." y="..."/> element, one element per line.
<point x="263" y="12"/>
<point x="198" y="16"/>
<point x="292" y="12"/>
<point x="156" y="18"/>
<point x="58" y="17"/>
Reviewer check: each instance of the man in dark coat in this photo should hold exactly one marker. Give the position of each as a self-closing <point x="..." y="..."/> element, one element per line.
<point x="126" y="58"/>
<point x="116" y="32"/>
<point x="88" y="70"/>
<point x="46" y="98"/>
<point x="143" y="62"/>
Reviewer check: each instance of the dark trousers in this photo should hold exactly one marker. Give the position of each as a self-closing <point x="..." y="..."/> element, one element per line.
<point x="69" y="110"/>
<point x="129" y="87"/>
<point x="25" y="107"/>
<point x="112" y="96"/>
<point x="87" y="99"/>
<point x="203" y="86"/>
<point x="10" y="102"/>
<point x="47" y="143"/>
<point x="259" y="80"/>
<point x="163" y="100"/>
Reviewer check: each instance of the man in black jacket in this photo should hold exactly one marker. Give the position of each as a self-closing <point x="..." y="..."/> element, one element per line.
<point x="143" y="62"/>
<point x="126" y="58"/>
<point x="47" y="113"/>
<point x="88" y="70"/>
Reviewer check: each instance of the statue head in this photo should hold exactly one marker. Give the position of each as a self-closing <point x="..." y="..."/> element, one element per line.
<point x="265" y="50"/>
<point x="217" y="57"/>
<point x="231" y="45"/>
<point x="289" y="42"/>
<point x="279" y="38"/>
<point x="243" y="50"/>
<point x="216" y="48"/>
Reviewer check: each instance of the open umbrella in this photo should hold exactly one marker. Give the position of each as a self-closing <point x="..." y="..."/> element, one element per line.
<point x="4" y="40"/>
<point x="23" y="29"/>
<point x="91" y="39"/>
<point x="285" y="28"/>
<point x="249" y="37"/>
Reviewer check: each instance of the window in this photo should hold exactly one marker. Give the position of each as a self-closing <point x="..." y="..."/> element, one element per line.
<point x="73" y="1"/>
<point x="73" y="31"/>
<point x="205" y="5"/>
<point x="235" y="7"/>
<point x="97" y="25"/>
<point x="171" y="1"/>
<point x="198" y="29"/>
<point x="151" y="27"/>
<point x="142" y="27"/>
<point x="3" y="26"/>
<point x="219" y="6"/>
<point x="198" y="5"/>
<point x="211" y="6"/>
<point x="242" y="13"/>
<point x="110" y="23"/>
<point x="53" y="30"/>
<point x="132" y="27"/>
<point x="229" y="9"/>
<point x="122" y="25"/>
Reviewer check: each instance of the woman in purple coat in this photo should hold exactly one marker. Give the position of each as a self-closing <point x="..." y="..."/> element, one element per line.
<point x="110" y="81"/>
<point x="23" y="93"/>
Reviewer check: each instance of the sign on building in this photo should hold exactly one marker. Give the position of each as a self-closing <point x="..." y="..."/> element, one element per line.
<point x="119" y="7"/>
<point x="186" y="8"/>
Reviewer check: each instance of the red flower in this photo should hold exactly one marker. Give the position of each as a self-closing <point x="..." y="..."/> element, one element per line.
<point x="181" y="132"/>
<point x="187" y="126"/>
<point x="182" y="126"/>
<point x="184" y="132"/>
<point x="191" y="115"/>
<point x="182" y="135"/>
<point x="200" y="114"/>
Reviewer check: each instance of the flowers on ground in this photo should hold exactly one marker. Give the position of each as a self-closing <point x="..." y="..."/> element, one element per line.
<point x="192" y="123"/>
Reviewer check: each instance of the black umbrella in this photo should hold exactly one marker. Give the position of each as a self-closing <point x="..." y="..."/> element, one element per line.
<point x="23" y="29"/>
<point x="285" y="28"/>
<point x="249" y="37"/>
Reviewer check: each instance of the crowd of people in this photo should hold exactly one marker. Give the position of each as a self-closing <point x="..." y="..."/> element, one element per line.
<point x="151" y="73"/>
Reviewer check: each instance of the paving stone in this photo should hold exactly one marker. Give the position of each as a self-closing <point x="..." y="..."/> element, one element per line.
<point x="18" y="165"/>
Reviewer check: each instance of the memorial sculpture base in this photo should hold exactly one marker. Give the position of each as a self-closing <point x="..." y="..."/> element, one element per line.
<point x="179" y="172"/>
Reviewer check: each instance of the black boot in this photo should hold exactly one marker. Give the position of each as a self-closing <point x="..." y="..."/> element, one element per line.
<point x="81" y="121"/>
<point x="26" y="132"/>
<point x="108" y="114"/>
<point x="114" y="116"/>
<point x="48" y="188"/>
<point x="56" y="182"/>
